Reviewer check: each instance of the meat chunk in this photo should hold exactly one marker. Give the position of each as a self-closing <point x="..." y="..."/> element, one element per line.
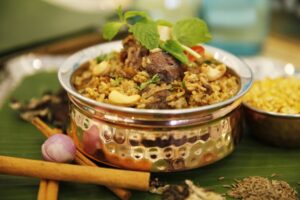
<point x="208" y="89"/>
<point x="131" y="55"/>
<point x="158" y="100"/>
<point x="164" y="65"/>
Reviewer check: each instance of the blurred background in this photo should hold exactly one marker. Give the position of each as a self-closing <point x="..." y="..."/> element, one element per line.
<point x="269" y="28"/>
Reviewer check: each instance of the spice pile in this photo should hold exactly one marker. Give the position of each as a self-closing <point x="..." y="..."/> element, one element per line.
<point x="260" y="188"/>
<point x="186" y="191"/>
<point x="52" y="108"/>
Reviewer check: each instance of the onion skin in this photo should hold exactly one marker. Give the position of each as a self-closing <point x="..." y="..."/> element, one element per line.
<point x="59" y="148"/>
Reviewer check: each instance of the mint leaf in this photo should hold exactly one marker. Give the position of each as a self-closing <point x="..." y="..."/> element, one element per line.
<point x="131" y="14"/>
<point x="120" y="13"/>
<point x="191" y="31"/>
<point x="174" y="48"/>
<point x="145" y="31"/>
<point x="111" y="29"/>
<point x="163" y="22"/>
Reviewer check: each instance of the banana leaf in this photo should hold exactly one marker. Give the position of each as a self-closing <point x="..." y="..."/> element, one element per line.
<point x="21" y="139"/>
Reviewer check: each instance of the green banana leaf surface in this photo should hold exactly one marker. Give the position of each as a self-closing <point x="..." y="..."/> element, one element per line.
<point x="19" y="138"/>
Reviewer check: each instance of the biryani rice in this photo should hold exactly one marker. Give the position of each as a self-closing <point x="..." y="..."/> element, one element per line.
<point x="194" y="88"/>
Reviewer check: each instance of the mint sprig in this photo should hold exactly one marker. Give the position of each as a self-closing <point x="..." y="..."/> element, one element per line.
<point x="111" y="29"/>
<point x="131" y="14"/>
<point x="144" y="29"/>
<point x="191" y="31"/>
<point x="184" y="33"/>
<point x="120" y="13"/>
<point x="163" y="22"/>
<point x="146" y="33"/>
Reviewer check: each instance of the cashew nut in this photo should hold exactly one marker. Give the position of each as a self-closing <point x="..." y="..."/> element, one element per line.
<point x="215" y="73"/>
<point x="118" y="98"/>
<point x="101" y="68"/>
<point x="164" y="32"/>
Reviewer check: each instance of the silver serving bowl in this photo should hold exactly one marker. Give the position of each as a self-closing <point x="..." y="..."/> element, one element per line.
<point x="154" y="140"/>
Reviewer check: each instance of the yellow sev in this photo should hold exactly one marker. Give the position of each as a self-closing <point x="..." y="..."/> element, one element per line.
<point x="280" y="95"/>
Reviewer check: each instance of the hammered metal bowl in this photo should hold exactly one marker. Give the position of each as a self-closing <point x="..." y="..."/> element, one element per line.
<point x="274" y="128"/>
<point x="154" y="140"/>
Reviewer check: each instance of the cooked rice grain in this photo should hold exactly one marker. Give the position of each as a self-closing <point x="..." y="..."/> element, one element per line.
<point x="192" y="90"/>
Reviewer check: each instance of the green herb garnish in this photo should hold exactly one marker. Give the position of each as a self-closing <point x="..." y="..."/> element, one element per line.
<point x="184" y="33"/>
<point x="163" y="22"/>
<point x="132" y="14"/>
<point x="191" y="32"/>
<point x="144" y="28"/>
<point x="100" y="58"/>
<point x="175" y="49"/>
<point x="154" y="80"/>
<point x="145" y="31"/>
<point x="187" y="33"/>
<point x="183" y="84"/>
<point x="103" y="57"/>
<point x="117" y="81"/>
<point x="111" y="29"/>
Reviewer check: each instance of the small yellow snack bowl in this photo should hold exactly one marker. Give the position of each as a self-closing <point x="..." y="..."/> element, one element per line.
<point x="272" y="110"/>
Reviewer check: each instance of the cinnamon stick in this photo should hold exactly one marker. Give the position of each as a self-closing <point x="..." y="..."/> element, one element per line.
<point x="42" y="190"/>
<point x="80" y="158"/>
<point x="43" y="128"/>
<point x="48" y="190"/>
<point x="68" y="172"/>
<point x="52" y="190"/>
<point x="45" y="192"/>
<point x="121" y="193"/>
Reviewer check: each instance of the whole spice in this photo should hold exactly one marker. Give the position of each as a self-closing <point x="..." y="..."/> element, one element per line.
<point x="48" y="190"/>
<point x="176" y="192"/>
<point x="198" y="193"/>
<point x="51" y="108"/>
<point x="79" y="157"/>
<point x="68" y="172"/>
<point x="189" y="191"/>
<point x="157" y="187"/>
<point x="42" y="190"/>
<point x="59" y="148"/>
<point x="260" y="188"/>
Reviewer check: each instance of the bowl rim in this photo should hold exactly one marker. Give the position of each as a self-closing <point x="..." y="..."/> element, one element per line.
<point x="71" y="90"/>
<point x="269" y="113"/>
